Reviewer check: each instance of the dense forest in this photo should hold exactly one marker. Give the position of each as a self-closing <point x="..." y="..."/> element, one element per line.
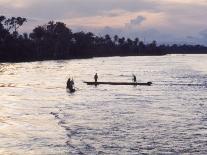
<point x="55" y="40"/>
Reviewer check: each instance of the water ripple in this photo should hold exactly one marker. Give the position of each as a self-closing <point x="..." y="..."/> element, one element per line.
<point x="38" y="115"/>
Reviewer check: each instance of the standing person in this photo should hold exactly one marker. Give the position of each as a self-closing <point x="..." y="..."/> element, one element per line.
<point x="68" y="83"/>
<point x="96" y="77"/>
<point x="134" y="78"/>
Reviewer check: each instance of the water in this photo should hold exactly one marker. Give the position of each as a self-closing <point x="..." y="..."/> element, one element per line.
<point x="38" y="115"/>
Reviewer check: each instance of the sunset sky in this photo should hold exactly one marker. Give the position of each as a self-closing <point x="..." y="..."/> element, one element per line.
<point x="167" y="21"/>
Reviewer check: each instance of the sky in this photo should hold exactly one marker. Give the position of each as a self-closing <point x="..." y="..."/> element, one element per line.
<point x="167" y="21"/>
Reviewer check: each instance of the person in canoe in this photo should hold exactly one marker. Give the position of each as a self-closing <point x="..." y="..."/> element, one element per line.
<point x="134" y="79"/>
<point x="70" y="85"/>
<point x="96" y="77"/>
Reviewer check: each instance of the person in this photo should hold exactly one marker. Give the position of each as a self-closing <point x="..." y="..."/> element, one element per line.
<point x="96" y="77"/>
<point x="70" y="85"/>
<point x="134" y="78"/>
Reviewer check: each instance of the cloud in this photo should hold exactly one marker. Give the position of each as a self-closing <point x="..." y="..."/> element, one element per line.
<point x="137" y="21"/>
<point x="198" y="2"/>
<point x="62" y="9"/>
<point x="157" y="19"/>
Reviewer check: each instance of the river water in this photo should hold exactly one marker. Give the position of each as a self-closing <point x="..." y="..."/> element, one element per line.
<point x="38" y="116"/>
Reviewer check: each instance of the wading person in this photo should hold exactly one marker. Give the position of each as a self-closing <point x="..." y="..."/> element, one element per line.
<point x="70" y="85"/>
<point x="96" y="77"/>
<point x="134" y="78"/>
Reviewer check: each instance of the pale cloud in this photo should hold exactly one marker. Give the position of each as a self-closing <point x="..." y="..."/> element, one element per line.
<point x="15" y="3"/>
<point x="157" y="19"/>
<point x="62" y="9"/>
<point x="125" y="19"/>
<point x="117" y="20"/>
<point x="198" y="2"/>
<point x="137" y="21"/>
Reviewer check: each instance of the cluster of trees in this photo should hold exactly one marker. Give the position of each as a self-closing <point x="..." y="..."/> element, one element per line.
<point x="184" y="49"/>
<point x="55" y="40"/>
<point x="11" y="43"/>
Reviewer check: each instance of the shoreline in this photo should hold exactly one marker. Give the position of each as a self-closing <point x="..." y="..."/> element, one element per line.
<point x="73" y="58"/>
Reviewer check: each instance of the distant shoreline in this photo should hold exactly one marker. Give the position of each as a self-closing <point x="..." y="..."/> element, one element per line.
<point x="74" y="58"/>
<point x="84" y="58"/>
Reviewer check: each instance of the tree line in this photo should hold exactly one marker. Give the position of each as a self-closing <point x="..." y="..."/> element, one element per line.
<point x="55" y="40"/>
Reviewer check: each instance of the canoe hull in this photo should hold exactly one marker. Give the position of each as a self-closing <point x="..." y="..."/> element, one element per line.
<point x="119" y="83"/>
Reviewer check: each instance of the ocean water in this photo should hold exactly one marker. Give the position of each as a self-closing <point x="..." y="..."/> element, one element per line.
<point x="38" y="116"/>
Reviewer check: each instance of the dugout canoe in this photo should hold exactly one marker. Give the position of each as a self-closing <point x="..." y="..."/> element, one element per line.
<point x="119" y="83"/>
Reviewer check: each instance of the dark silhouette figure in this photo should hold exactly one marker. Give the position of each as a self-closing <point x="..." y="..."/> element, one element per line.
<point x="134" y="78"/>
<point x="68" y="82"/>
<point x="96" y="77"/>
<point x="70" y="85"/>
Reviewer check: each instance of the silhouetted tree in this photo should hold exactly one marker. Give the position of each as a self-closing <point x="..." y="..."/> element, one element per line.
<point x="55" y="40"/>
<point x="14" y="23"/>
<point x="116" y="39"/>
<point x="3" y="31"/>
<point x="122" y="41"/>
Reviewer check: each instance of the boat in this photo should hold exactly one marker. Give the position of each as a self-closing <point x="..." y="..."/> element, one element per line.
<point x="118" y="83"/>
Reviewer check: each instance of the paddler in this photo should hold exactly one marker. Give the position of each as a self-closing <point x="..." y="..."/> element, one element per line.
<point x="96" y="77"/>
<point x="134" y="78"/>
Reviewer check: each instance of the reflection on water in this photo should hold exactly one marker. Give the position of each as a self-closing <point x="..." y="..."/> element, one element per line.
<point x="38" y="116"/>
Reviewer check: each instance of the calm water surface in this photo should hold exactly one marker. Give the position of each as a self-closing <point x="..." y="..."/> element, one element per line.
<point x="38" y="116"/>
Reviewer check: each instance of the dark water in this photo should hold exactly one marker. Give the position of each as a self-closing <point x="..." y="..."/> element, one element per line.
<point x="38" y="116"/>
